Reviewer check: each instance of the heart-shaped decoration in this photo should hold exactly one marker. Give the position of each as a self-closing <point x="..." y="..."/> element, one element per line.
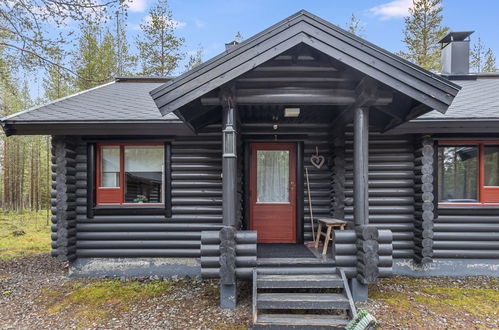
<point x="317" y="161"/>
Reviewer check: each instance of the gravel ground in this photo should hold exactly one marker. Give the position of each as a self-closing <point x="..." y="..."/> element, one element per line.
<point x="33" y="289"/>
<point x="35" y="293"/>
<point x="403" y="302"/>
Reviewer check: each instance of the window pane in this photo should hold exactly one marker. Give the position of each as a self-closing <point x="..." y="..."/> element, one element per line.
<point x="144" y="174"/>
<point x="491" y="165"/>
<point x="457" y="174"/>
<point x="272" y="176"/>
<point x="110" y="163"/>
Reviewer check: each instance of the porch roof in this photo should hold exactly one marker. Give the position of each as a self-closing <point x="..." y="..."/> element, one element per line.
<point x="426" y="90"/>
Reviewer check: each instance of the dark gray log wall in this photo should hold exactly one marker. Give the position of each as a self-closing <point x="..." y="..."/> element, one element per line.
<point x="425" y="199"/>
<point x="313" y="135"/>
<point x="196" y="206"/>
<point x="346" y="250"/>
<point x="64" y="196"/>
<point x="245" y="256"/>
<point x="466" y="233"/>
<point x="391" y="188"/>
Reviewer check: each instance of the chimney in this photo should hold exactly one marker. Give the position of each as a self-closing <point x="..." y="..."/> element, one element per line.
<point x="456" y="53"/>
<point x="231" y="44"/>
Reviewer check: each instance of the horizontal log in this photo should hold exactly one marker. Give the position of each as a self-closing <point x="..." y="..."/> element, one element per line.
<point x="86" y="227"/>
<point x="132" y="235"/>
<point x="466" y="245"/>
<point x="460" y="253"/>
<point x="109" y="253"/>
<point x="138" y="244"/>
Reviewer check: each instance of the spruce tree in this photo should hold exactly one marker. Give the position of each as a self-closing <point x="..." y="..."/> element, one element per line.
<point x="423" y="29"/>
<point x="159" y="47"/>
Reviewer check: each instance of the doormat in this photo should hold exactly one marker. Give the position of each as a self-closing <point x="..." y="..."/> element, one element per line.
<point x="283" y="250"/>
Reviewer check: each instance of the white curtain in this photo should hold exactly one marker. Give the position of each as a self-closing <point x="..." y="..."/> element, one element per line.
<point x="272" y="176"/>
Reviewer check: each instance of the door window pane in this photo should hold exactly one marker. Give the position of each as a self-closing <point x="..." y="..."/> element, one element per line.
<point x="110" y="166"/>
<point x="144" y="174"/>
<point x="272" y="176"/>
<point x="457" y="173"/>
<point x="491" y="165"/>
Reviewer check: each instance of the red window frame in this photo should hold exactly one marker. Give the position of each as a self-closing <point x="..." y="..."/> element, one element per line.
<point x="111" y="196"/>
<point x="487" y="195"/>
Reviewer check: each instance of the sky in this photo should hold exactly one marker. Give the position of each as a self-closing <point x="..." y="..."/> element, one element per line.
<point x="212" y="23"/>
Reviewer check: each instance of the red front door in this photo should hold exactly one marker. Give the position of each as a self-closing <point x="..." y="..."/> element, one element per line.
<point x="273" y="192"/>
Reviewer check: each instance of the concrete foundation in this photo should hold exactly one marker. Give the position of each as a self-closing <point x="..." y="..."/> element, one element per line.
<point x="135" y="267"/>
<point x="228" y="296"/>
<point x="447" y="267"/>
<point x="359" y="290"/>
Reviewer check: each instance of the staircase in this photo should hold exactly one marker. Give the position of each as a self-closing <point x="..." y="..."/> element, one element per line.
<point x="311" y="298"/>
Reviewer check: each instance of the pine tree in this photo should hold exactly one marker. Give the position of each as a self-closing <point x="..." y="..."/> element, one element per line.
<point x="95" y="59"/>
<point x="355" y="26"/>
<point x="195" y="59"/>
<point x="482" y="60"/>
<point x="159" y="47"/>
<point x="58" y="83"/>
<point x="423" y="29"/>
<point x="125" y="61"/>
<point x="490" y="62"/>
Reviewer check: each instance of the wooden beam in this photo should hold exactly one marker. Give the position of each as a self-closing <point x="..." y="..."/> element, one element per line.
<point x="301" y="96"/>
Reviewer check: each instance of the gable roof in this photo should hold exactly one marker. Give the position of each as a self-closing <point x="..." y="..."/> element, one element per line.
<point x="115" y="101"/>
<point x="478" y="99"/>
<point x="427" y="88"/>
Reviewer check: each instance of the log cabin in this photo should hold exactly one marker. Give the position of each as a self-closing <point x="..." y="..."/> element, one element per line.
<point x="223" y="171"/>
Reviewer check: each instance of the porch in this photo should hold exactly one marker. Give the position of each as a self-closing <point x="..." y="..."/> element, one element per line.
<point x="295" y="102"/>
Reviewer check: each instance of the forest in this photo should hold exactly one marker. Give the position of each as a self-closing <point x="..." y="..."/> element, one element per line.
<point x="74" y="45"/>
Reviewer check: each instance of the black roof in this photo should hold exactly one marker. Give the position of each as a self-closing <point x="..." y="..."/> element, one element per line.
<point x="424" y="86"/>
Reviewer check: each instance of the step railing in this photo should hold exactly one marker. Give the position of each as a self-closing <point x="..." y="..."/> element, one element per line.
<point x="353" y="311"/>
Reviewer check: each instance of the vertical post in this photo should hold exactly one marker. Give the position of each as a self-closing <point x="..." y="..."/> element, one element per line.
<point x="361" y="163"/>
<point x="228" y="289"/>
<point x="229" y="166"/>
<point x="90" y="180"/>
<point x="361" y="197"/>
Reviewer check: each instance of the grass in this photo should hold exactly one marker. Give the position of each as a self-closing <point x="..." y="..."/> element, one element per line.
<point x="97" y="301"/>
<point x="23" y="234"/>
<point x="413" y="299"/>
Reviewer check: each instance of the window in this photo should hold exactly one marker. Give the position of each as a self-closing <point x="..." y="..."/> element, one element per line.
<point x="468" y="172"/>
<point x="130" y="174"/>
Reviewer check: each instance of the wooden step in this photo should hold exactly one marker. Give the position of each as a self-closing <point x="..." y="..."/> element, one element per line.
<point x="299" y="281"/>
<point x="296" y="270"/>
<point x="297" y="262"/>
<point x="301" y="321"/>
<point x="302" y="301"/>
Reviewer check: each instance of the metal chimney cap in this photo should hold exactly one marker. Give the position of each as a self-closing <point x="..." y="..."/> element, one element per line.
<point x="455" y="36"/>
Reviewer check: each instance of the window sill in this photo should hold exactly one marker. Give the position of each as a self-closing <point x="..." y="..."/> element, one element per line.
<point x="493" y="206"/>
<point x="129" y="209"/>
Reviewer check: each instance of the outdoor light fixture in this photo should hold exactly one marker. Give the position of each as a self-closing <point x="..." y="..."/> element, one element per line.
<point x="291" y="112"/>
<point x="229" y="141"/>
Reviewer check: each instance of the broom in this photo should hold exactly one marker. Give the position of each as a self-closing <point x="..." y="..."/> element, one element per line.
<point x="310" y="206"/>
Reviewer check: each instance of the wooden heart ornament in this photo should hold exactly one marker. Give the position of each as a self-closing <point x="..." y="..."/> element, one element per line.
<point x="317" y="161"/>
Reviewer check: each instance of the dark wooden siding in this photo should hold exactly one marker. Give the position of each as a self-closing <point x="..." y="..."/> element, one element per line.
<point x="466" y="233"/>
<point x="196" y="206"/>
<point x="312" y="136"/>
<point x="391" y="187"/>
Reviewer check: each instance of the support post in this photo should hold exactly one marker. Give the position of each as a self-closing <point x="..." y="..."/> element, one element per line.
<point x="228" y="289"/>
<point x="361" y="163"/>
<point x="229" y="166"/>
<point x="361" y="200"/>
